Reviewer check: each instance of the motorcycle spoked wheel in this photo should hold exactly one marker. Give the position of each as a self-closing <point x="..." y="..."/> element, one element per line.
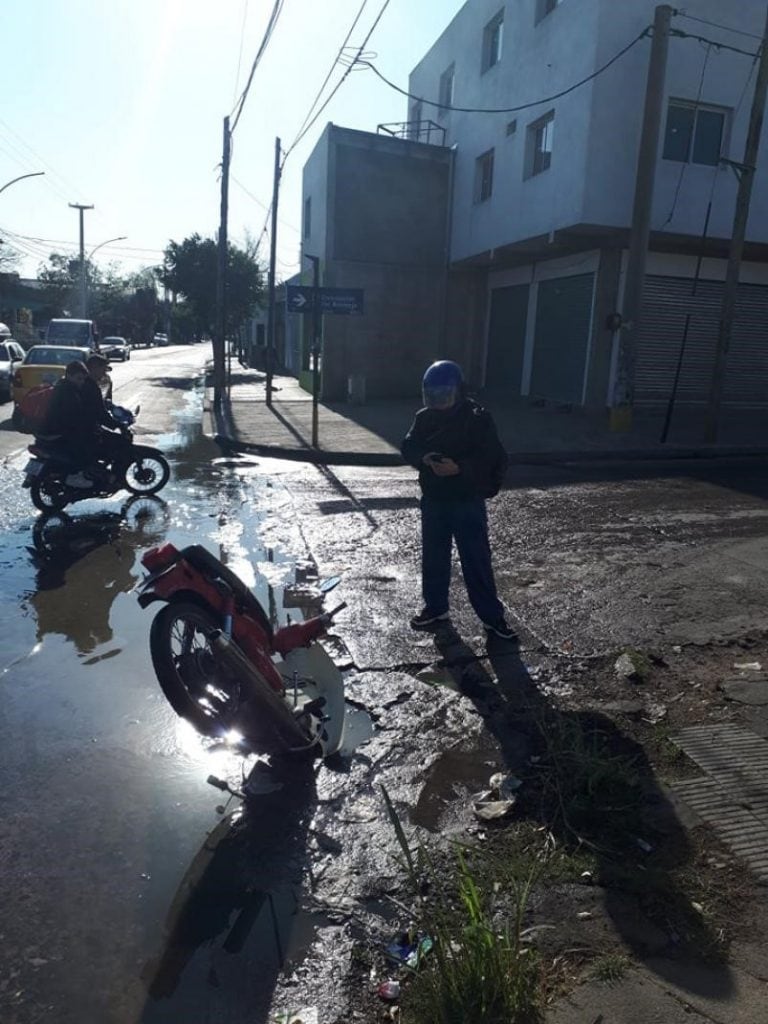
<point x="49" y="493"/>
<point x="186" y="668"/>
<point x="192" y="680"/>
<point x="147" y="472"/>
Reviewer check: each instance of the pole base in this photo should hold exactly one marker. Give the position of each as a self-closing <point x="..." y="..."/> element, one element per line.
<point x="620" y="419"/>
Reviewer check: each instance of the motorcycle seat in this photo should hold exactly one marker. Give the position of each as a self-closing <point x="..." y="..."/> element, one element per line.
<point x="202" y="559"/>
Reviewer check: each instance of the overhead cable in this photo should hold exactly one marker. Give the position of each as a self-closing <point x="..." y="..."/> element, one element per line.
<point x="522" y="106"/>
<point x="271" y="24"/>
<point x="715" y="24"/>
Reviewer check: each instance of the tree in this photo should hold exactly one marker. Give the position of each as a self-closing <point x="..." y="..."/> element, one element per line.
<point x="190" y="270"/>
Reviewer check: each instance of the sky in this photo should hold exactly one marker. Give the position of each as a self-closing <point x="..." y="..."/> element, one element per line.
<point x="121" y="103"/>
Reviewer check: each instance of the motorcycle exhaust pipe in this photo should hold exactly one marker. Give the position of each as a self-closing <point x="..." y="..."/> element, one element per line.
<point x="231" y="657"/>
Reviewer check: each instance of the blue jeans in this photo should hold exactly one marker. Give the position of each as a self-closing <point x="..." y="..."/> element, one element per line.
<point x="464" y="520"/>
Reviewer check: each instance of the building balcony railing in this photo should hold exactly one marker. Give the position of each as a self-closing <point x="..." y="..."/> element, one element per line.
<point x="415" y="131"/>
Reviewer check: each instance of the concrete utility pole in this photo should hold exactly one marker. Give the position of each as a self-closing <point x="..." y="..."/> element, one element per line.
<point x="81" y="207"/>
<point x="621" y="411"/>
<point x="747" y="173"/>
<point x="315" y="261"/>
<point x="271" y="317"/>
<point x="220" y="338"/>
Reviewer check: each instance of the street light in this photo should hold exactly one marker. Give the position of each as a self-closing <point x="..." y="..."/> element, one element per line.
<point x="34" y="174"/>
<point x="120" y="238"/>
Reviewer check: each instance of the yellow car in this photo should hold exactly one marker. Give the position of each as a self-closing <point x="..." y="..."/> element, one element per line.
<point x="44" y="364"/>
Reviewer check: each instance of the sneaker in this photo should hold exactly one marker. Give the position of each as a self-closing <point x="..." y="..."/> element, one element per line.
<point x="78" y="480"/>
<point x="501" y="629"/>
<point x="426" y="618"/>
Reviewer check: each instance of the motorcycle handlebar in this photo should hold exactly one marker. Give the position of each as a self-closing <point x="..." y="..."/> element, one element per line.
<point x="335" y="611"/>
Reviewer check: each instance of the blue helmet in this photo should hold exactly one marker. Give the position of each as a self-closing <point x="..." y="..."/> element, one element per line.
<point x="443" y="385"/>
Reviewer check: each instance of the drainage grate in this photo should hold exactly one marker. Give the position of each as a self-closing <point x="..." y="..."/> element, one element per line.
<point x="733" y="796"/>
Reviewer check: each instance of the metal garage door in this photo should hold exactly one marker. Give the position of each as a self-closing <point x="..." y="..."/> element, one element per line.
<point x="506" y="339"/>
<point x="563" y="323"/>
<point x="666" y="303"/>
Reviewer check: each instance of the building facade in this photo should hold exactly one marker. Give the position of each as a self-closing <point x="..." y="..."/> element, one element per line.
<point x="542" y="196"/>
<point x="376" y="213"/>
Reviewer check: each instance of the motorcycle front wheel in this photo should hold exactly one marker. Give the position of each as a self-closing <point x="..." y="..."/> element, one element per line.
<point x="48" y="492"/>
<point x="185" y="666"/>
<point x="147" y="472"/>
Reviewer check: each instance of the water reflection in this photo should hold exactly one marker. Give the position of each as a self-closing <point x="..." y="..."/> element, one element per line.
<point x="82" y="563"/>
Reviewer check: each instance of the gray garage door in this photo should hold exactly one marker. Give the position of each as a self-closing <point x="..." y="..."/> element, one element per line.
<point x="506" y="339"/>
<point x="563" y="322"/>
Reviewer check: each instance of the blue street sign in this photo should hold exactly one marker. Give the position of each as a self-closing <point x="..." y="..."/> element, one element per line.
<point x="339" y="301"/>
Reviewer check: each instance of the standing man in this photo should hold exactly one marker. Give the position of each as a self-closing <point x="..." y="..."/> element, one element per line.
<point x="455" y="447"/>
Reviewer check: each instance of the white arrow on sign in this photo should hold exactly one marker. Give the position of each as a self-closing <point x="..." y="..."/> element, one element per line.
<point x="300" y="300"/>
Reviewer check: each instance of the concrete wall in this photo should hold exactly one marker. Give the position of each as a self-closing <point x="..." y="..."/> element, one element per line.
<point x="597" y="127"/>
<point x="315" y="187"/>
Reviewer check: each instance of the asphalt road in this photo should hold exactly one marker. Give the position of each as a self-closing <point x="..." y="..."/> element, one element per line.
<point x="124" y="900"/>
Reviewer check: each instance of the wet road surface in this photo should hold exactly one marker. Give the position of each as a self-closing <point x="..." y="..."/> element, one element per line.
<point x="127" y="897"/>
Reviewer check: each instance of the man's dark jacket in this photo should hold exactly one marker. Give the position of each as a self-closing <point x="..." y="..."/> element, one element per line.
<point x="96" y="411"/>
<point x="467" y="434"/>
<point x="67" y="415"/>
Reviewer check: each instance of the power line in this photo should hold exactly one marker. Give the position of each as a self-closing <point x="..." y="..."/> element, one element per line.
<point x="684" y="166"/>
<point x="679" y="34"/>
<point x="332" y="68"/>
<point x="240" y="53"/>
<point x="715" y="24"/>
<point x="263" y="205"/>
<point x="271" y="24"/>
<point x="523" y="106"/>
<point x="341" y="81"/>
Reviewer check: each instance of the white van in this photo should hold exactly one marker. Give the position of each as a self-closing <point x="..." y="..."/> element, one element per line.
<point x="72" y="332"/>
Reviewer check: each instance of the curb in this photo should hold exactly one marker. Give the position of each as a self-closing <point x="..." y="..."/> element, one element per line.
<point x="222" y="423"/>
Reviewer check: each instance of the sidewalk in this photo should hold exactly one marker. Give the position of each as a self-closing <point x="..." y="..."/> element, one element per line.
<point x="371" y="434"/>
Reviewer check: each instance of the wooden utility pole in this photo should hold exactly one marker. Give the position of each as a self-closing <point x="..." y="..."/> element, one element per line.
<point x="271" y="317"/>
<point x="747" y="173"/>
<point x="219" y="341"/>
<point x="621" y="411"/>
<point x="315" y="261"/>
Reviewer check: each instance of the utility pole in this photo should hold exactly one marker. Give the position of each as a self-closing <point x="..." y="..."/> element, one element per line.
<point x="271" y="317"/>
<point x="219" y="341"/>
<point x="621" y="411"/>
<point x="747" y="173"/>
<point x="315" y="261"/>
<point x="81" y="207"/>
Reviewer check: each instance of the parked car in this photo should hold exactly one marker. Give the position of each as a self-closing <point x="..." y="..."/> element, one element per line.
<point x="44" y="364"/>
<point x="11" y="356"/>
<point x="115" y="348"/>
<point x="160" y="339"/>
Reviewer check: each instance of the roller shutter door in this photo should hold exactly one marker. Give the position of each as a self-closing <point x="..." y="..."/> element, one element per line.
<point x="506" y="339"/>
<point x="666" y="303"/>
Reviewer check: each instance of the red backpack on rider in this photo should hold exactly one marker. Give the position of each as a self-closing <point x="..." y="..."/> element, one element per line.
<point x="30" y="414"/>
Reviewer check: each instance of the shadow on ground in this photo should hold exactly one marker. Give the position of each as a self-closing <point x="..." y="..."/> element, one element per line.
<point x="593" y="789"/>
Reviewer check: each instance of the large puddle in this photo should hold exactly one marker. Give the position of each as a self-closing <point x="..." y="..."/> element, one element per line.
<point x="160" y="902"/>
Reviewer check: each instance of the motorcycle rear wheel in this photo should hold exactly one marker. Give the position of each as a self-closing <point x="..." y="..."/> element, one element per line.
<point x="148" y="471"/>
<point x="48" y="493"/>
<point x="186" y="668"/>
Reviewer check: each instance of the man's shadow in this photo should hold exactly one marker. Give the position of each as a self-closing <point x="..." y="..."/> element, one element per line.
<point x="595" y="791"/>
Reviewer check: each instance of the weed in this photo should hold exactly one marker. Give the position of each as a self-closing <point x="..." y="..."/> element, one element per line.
<point x="480" y="970"/>
<point x="610" y="968"/>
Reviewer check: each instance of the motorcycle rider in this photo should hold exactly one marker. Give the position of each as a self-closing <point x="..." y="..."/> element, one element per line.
<point x="77" y="417"/>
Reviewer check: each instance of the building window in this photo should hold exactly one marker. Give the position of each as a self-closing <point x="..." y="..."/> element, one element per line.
<point x="307" y="216"/>
<point x="540" y="138"/>
<point x="545" y="7"/>
<point x="493" y="39"/>
<point x="484" y="177"/>
<point x="694" y="133"/>
<point x="445" y="98"/>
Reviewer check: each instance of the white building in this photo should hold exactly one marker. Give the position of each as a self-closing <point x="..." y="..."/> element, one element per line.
<point x="542" y="197"/>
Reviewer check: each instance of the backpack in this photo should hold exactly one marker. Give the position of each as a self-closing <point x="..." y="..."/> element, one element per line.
<point x="497" y="469"/>
<point x="30" y="414"/>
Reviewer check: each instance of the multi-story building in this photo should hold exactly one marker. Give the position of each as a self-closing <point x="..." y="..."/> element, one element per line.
<point x="542" y="196"/>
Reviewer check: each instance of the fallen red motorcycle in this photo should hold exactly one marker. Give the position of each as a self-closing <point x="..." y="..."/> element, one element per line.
<point x="223" y="667"/>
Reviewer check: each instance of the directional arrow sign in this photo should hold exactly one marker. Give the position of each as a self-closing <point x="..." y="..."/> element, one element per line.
<point x="339" y="301"/>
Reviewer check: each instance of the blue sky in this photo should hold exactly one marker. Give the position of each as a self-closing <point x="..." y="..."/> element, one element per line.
<point x="121" y="104"/>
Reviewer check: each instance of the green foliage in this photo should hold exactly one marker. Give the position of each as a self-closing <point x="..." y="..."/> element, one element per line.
<point x="480" y="970"/>
<point x="610" y="968"/>
<point x="190" y="270"/>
